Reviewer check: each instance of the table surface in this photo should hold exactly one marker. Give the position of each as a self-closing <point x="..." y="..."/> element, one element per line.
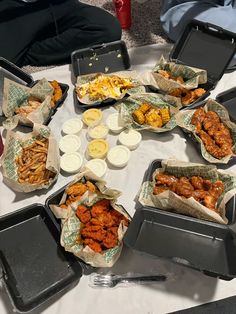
<point x="186" y="287"/>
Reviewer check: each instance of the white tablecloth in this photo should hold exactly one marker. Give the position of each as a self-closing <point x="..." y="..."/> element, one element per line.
<point x="188" y="287"/>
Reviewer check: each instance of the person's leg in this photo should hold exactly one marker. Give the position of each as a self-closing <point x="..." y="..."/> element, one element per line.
<point x="79" y="26"/>
<point x="20" y="25"/>
<point x="175" y="15"/>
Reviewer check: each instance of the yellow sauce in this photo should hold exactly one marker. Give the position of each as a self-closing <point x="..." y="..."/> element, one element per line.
<point x="98" y="148"/>
<point x="92" y="115"/>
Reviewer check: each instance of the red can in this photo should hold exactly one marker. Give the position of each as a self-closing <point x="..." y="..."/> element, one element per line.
<point x="123" y="12"/>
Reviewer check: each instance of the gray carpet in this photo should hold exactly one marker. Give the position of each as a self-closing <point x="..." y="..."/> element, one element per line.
<point x="145" y="27"/>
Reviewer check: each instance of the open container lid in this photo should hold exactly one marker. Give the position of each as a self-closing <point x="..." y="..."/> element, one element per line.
<point x="33" y="265"/>
<point x="205" y="46"/>
<point x="105" y="58"/>
<point x="228" y="100"/>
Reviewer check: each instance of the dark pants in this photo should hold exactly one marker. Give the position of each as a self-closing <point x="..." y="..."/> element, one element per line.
<point x="46" y="32"/>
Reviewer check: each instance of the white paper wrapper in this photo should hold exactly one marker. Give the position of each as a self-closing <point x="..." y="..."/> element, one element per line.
<point x="71" y="224"/>
<point x="132" y="103"/>
<point x="13" y="147"/>
<point x="15" y="95"/>
<point x="131" y="75"/>
<point x="184" y="121"/>
<point x="193" y="76"/>
<point x="170" y="201"/>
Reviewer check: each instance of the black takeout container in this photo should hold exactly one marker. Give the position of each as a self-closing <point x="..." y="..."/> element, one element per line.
<point x="12" y="72"/>
<point x="205" y="46"/>
<point x="33" y="264"/>
<point x="226" y="99"/>
<point x="105" y="58"/>
<point x="205" y="246"/>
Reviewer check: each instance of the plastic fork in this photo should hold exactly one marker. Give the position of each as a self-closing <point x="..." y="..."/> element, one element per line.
<point x="110" y="280"/>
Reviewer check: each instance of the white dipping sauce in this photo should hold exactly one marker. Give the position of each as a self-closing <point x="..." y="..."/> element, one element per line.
<point x="71" y="162"/>
<point x="72" y="126"/>
<point x="130" y="138"/>
<point x="97" y="166"/>
<point x="118" y="156"/>
<point x="114" y="123"/>
<point x="69" y="143"/>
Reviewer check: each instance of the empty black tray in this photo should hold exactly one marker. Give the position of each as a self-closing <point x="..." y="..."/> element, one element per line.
<point x="12" y="72"/>
<point x="206" y="246"/>
<point x="105" y="58"/>
<point x="34" y="265"/>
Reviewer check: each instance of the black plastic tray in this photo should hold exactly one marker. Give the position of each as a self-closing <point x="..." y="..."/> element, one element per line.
<point x="34" y="265"/>
<point x="105" y="58"/>
<point x="11" y="71"/>
<point x="226" y="99"/>
<point x="206" y="246"/>
<point x="205" y="46"/>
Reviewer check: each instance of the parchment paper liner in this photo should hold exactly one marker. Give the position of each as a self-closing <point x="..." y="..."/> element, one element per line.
<point x="132" y="75"/>
<point x="16" y="95"/>
<point x="170" y="201"/>
<point x="13" y="146"/>
<point x="71" y="224"/>
<point x="128" y="105"/>
<point x="193" y="76"/>
<point x="184" y="120"/>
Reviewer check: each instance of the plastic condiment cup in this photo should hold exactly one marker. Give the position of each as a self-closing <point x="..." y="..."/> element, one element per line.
<point x="92" y="116"/>
<point x="114" y="123"/>
<point x="98" y="131"/>
<point x="97" y="166"/>
<point x="69" y="143"/>
<point x="118" y="156"/>
<point x="71" y="162"/>
<point x="72" y="126"/>
<point x="97" y="148"/>
<point x="130" y="138"/>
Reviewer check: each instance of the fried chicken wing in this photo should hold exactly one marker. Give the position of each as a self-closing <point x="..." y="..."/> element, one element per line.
<point x="166" y="179"/>
<point x="96" y="233"/>
<point x="160" y="189"/>
<point x="110" y="240"/>
<point x="202" y="190"/>
<point x="100" y="207"/>
<point x="94" y="245"/>
<point x="83" y="213"/>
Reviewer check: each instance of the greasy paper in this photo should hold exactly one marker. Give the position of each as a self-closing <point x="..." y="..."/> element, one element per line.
<point x="132" y="103"/>
<point x="71" y="224"/>
<point x="15" y="95"/>
<point x="184" y="120"/>
<point x="13" y="147"/>
<point x="193" y="76"/>
<point x="170" y="201"/>
<point x="132" y="75"/>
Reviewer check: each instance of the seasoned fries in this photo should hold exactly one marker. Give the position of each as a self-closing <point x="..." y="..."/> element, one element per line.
<point x="31" y="163"/>
<point x="104" y="87"/>
<point x="33" y="104"/>
<point x="57" y="93"/>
